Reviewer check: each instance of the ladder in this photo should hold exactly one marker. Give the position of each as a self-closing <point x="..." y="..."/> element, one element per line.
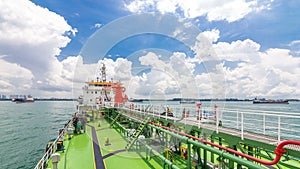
<point x="115" y="119"/>
<point x="137" y="133"/>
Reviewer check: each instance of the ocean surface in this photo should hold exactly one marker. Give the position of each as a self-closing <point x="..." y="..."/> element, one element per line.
<point x="26" y="128"/>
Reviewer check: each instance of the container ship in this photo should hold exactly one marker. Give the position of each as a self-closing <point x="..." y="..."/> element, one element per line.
<point x="107" y="132"/>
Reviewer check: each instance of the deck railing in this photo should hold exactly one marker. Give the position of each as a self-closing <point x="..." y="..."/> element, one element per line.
<point x="275" y="124"/>
<point x="283" y="125"/>
<point x="52" y="149"/>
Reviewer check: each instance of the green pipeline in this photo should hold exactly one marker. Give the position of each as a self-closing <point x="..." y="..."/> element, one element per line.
<point x="221" y="153"/>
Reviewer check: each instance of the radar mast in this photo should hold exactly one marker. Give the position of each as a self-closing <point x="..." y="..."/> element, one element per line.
<point x="103" y="72"/>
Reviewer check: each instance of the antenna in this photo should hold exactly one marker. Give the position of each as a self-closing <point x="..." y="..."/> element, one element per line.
<point x="103" y="72"/>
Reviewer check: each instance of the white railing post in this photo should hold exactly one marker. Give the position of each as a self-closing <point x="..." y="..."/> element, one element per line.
<point x="264" y="123"/>
<point x="185" y="116"/>
<point x="158" y="115"/>
<point x="217" y="122"/>
<point x="199" y="117"/>
<point x="153" y="111"/>
<point x="168" y="109"/>
<point x="237" y="119"/>
<point x="242" y="126"/>
<point x="278" y="129"/>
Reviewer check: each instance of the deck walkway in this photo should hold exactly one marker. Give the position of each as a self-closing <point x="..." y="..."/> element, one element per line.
<point x="97" y="152"/>
<point x="112" y="146"/>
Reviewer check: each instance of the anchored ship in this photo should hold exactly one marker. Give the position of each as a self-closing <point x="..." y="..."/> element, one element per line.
<point x="25" y="99"/>
<point x="264" y="101"/>
<point x="106" y="131"/>
<point x="187" y="101"/>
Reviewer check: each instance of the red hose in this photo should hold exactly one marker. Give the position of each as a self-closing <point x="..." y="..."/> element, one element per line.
<point x="279" y="150"/>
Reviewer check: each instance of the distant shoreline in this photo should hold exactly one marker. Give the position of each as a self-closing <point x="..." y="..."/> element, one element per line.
<point x="203" y="100"/>
<point x="175" y="99"/>
<point x="45" y="99"/>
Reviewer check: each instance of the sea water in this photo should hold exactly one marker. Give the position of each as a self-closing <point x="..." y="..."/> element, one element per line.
<point x="26" y="128"/>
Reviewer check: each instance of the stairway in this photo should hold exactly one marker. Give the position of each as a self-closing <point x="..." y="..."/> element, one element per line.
<point x="137" y="133"/>
<point x="115" y="119"/>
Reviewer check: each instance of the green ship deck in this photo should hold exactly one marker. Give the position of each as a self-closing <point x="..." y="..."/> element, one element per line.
<point x="113" y="140"/>
<point x="82" y="153"/>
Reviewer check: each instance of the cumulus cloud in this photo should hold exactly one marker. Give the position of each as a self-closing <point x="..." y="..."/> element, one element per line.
<point x="170" y="78"/>
<point x="255" y="73"/>
<point x="118" y="70"/>
<point x="203" y="47"/>
<point x="272" y="73"/>
<point x="14" y="77"/>
<point x="240" y="50"/>
<point x="31" y="37"/>
<point x="214" y="10"/>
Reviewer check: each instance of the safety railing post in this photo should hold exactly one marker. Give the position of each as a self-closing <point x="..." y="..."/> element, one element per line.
<point x="168" y="111"/>
<point x="278" y="129"/>
<point x="158" y="115"/>
<point x="199" y="117"/>
<point x="264" y="123"/>
<point x="237" y="119"/>
<point x="217" y="121"/>
<point x="242" y="126"/>
<point x="184" y="119"/>
<point x="153" y="110"/>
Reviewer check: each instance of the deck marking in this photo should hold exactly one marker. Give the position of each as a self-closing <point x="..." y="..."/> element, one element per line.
<point x="97" y="152"/>
<point x="92" y="148"/>
<point x="113" y="153"/>
<point x="103" y="128"/>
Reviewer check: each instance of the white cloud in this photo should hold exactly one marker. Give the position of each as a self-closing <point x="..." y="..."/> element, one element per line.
<point x="214" y="10"/>
<point x="256" y="73"/>
<point x="273" y="73"/>
<point x="97" y="25"/>
<point x="203" y="48"/>
<point x="14" y="77"/>
<point x="167" y="78"/>
<point x="295" y="47"/>
<point x="31" y="37"/>
<point x="167" y="6"/>
<point x="239" y="50"/>
<point x="118" y="70"/>
<point x="140" y="5"/>
<point x="212" y="35"/>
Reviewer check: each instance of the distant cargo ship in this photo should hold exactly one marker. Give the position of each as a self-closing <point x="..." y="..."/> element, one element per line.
<point x="187" y="101"/>
<point x="26" y="99"/>
<point x="264" y="101"/>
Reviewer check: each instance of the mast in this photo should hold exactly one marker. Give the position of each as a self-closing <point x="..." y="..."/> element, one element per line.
<point x="103" y="72"/>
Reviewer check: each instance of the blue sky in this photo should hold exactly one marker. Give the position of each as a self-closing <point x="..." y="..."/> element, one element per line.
<point x="237" y="48"/>
<point x="83" y="15"/>
<point x="276" y="27"/>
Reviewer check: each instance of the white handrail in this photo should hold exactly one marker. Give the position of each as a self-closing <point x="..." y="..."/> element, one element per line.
<point x="52" y="148"/>
<point x="268" y="123"/>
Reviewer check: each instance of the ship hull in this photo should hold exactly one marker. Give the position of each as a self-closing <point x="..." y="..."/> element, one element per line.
<point x="270" y="102"/>
<point x="22" y="101"/>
